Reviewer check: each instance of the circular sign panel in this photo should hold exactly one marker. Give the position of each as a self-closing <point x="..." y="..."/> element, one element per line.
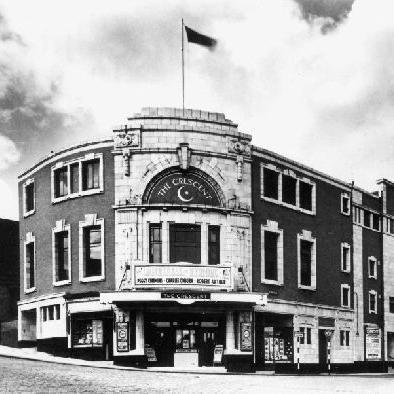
<point x="183" y="188"/>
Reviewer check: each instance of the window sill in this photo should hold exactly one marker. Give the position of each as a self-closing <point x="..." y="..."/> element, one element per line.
<point x="62" y="283"/>
<point x="31" y="290"/>
<point x="312" y="288"/>
<point x="373" y="312"/>
<point x="84" y="193"/>
<point x="345" y="214"/>
<point x="290" y="206"/>
<point x="29" y="213"/>
<point x="346" y="271"/>
<point x="271" y="282"/>
<point x="92" y="279"/>
<point x="372" y="277"/>
<point x="368" y="228"/>
<point x="345" y="306"/>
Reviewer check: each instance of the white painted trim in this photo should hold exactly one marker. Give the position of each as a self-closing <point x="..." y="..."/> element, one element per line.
<point x="345" y="286"/>
<point x="24" y="186"/>
<point x="91" y="220"/>
<point x="374" y="293"/>
<point x="272" y="226"/>
<point x="306" y="236"/>
<point x="61" y="227"/>
<point x="375" y="261"/>
<point x="30" y="238"/>
<point x="345" y="245"/>
<point x="40" y="298"/>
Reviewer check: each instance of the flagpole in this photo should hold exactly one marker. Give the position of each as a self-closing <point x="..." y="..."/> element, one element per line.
<point x="183" y="75"/>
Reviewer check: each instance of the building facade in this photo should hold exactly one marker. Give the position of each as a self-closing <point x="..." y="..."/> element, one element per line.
<point x="177" y="243"/>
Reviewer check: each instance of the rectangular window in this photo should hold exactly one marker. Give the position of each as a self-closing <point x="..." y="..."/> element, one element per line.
<point x="289" y="189"/>
<point x="57" y="312"/>
<point x="345" y="257"/>
<point x="44" y="313"/>
<point x="155" y="243"/>
<point x="345" y="204"/>
<point x="30" y="266"/>
<point x="306" y="190"/>
<point x="372" y="302"/>
<point x="375" y="222"/>
<point x="50" y="312"/>
<point x="271" y="255"/>
<point x="29" y="197"/>
<point x="357" y="215"/>
<point x="213" y="245"/>
<point x="306" y="338"/>
<point x="344" y="337"/>
<point x="308" y="335"/>
<point x="185" y="243"/>
<point x="61" y="182"/>
<point x="372" y="267"/>
<point x="62" y="256"/>
<point x="92" y="251"/>
<point x="306" y="262"/>
<point x="270" y="183"/>
<point x="74" y="178"/>
<point x="91" y="174"/>
<point x="391" y="304"/>
<point x="302" y="338"/>
<point x="345" y="296"/>
<point x="367" y="218"/>
<point x="390" y="225"/>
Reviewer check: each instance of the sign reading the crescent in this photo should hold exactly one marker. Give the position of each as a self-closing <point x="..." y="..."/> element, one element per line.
<point x="183" y="188"/>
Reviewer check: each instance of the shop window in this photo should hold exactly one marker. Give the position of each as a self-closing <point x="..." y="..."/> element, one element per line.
<point x="185" y="340"/>
<point x="155" y="243"/>
<point x="372" y="301"/>
<point x="289" y="189"/>
<point x="213" y="245"/>
<point x="74" y="178"/>
<point x="30" y="265"/>
<point x="391" y="304"/>
<point x="345" y="295"/>
<point x="306" y="338"/>
<point x="62" y="256"/>
<point x="278" y="345"/>
<point x="375" y="222"/>
<point x="345" y="204"/>
<point x="87" y="333"/>
<point x="270" y="183"/>
<point x="372" y="268"/>
<point x="306" y="190"/>
<point x="29" y="197"/>
<point x="185" y="243"/>
<point x="61" y="182"/>
<point x="344" y="336"/>
<point x="91" y="174"/>
<point x="345" y="257"/>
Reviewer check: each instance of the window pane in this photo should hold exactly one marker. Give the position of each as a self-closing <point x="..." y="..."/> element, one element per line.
<point x="306" y="263"/>
<point x="345" y="258"/>
<point x="74" y="174"/>
<point x="61" y="245"/>
<point x="345" y="296"/>
<point x="271" y="255"/>
<point x="50" y="312"/>
<point x="302" y="339"/>
<point x="29" y="190"/>
<point x="185" y="243"/>
<point x="391" y="300"/>
<point x="306" y="196"/>
<point x="91" y="174"/>
<point x="213" y="245"/>
<point x="155" y="244"/>
<point x="345" y="204"/>
<point x="93" y="249"/>
<point x="61" y="186"/>
<point x="367" y="219"/>
<point x="30" y="266"/>
<point x="289" y="189"/>
<point x="375" y="222"/>
<point x="372" y="302"/>
<point x="270" y="183"/>
<point x="308" y="335"/>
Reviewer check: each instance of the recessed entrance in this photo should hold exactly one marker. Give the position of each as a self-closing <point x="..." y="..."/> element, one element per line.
<point x="184" y="340"/>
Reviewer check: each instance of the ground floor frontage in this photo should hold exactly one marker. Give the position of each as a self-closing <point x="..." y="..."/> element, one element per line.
<point x="240" y="331"/>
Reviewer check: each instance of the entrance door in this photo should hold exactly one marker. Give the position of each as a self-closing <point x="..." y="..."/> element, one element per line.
<point x="322" y="349"/>
<point x="208" y="341"/>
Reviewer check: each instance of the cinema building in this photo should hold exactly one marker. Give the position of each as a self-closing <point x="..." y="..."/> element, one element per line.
<point x="178" y="243"/>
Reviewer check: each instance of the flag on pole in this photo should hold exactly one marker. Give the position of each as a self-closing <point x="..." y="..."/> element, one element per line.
<point x="200" y="39"/>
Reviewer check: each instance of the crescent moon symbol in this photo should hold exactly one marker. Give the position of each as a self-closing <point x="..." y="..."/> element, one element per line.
<point x="183" y="198"/>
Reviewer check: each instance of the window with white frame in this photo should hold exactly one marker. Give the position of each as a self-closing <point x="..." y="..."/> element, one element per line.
<point x="78" y="177"/>
<point x="30" y="263"/>
<point x="271" y="253"/>
<point x="345" y="257"/>
<point x="29" y="197"/>
<point x="373" y="307"/>
<point x="306" y="338"/>
<point x="344" y="338"/>
<point x="372" y="267"/>
<point x="61" y="253"/>
<point x="390" y="226"/>
<point x="91" y="249"/>
<point x="284" y="187"/>
<point x="357" y="215"/>
<point x="345" y="295"/>
<point x="50" y="312"/>
<point x="345" y="203"/>
<point x="306" y="261"/>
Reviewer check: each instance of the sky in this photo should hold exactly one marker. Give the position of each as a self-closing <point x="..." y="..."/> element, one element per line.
<point x="312" y="80"/>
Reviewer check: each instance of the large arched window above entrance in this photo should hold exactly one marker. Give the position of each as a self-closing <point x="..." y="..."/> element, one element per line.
<point x="178" y="187"/>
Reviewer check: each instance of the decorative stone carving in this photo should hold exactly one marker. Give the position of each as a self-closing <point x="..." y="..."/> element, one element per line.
<point x="125" y="137"/>
<point x="184" y="155"/>
<point x="240" y="147"/>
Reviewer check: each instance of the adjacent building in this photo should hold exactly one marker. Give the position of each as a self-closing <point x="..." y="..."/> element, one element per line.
<point x="177" y="242"/>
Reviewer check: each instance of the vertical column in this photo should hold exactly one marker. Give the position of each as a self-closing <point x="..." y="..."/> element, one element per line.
<point x="204" y="243"/>
<point x="230" y="335"/>
<point x="165" y="242"/>
<point x="139" y="332"/>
